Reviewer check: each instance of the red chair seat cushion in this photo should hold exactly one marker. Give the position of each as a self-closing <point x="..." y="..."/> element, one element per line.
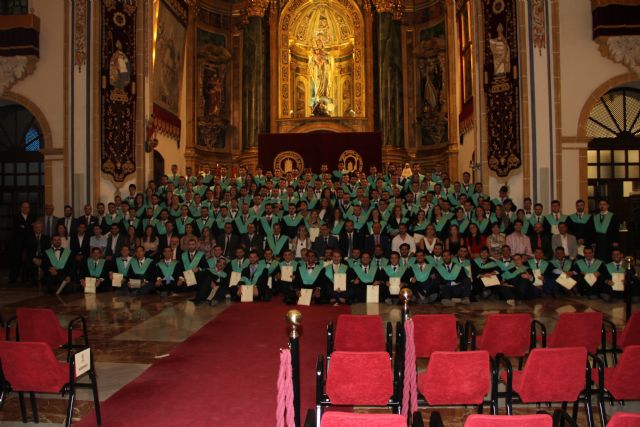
<point x="345" y="419"/>
<point x="622" y="381"/>
<point x="360" y="378"/>
<point x="508" y="334"/>
<point x="577" y="330"/>
<point x="434" y="332"/>
<point x="359" y="333"/>
<point x="32" y="367"/>
<point x="624" y="419"/>
<point x="537" y="420"/>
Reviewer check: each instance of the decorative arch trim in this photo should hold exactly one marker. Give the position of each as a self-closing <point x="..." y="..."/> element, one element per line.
<point x="595" y="96"/>
<point x="47" y="142"/>
<point x="321" y="126"/>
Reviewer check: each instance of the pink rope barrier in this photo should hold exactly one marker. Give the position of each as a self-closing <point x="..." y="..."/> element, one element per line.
<point x="410" y="395"/>
<point x="285" y="414"/>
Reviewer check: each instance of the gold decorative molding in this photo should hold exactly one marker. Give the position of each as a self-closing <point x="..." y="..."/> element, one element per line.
<point x="256" y="8"/>
<point x="624" y="50"/>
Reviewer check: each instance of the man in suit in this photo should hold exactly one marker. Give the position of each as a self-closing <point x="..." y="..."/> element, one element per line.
<point x="69" y="222"/>
<point x="324" y="240"/>
<point x="350" y="239"/>
<point x="540" y="240"/>
<point x="20" y="232"/>
<point x="377" y="238"/>
<point x="49" y="220"/>
<point x="606" y="229"/>
<point x="228" y="240"/>
<point x="57" y="265"/>
<point x="115" y="241"/>
<point x="565" y="240"/>
<point x="165" y="239"/>
<point x="252" y="241"/>
<point x="88" y="219"/>
<point x="37" y="243"/>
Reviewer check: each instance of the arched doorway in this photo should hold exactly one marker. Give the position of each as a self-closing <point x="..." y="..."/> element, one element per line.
<point x="613" y="158"/>
<point x="21" y="165"/>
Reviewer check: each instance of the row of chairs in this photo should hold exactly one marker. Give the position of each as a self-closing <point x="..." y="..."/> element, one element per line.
<point x="28" y="363"/>
<point x="560" y="373"/>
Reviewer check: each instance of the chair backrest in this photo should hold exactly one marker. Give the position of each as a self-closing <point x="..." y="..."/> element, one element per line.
<point x="537" y="420"/>
<point x="509" y="334"/>
<point x="360" y="378"/>
<point x="624" y="419"/>
<point x="554" y="375"/>
<point x="624" y="384"/>
<point x="435" y="332"/>
<point x="359" y="333"/>
<point x="577" y="330"/>
<point x="40" y="325"/>
<point x="32" y="366"/>
<point x="346" y="419"/>
<point x="631" y="333"/>
<point x="456" y="378"/>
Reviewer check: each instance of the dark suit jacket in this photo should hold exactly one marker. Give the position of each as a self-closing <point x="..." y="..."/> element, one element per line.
<point x="90" y="224"/>
<point x="121" y="239"/>
<point x="80" y="249"/>
<point x="234" y="242"/>
<point x="254" y="244"/>
<point x="32" y="245"/>
<point x="319" y="246"/>
<point x="358" y="241"/>
<point x="385" y="242"/>
<point x="546" y="244"/>
<point x="165" y="241"/>
<point x="72" y="229"/>
<point x="54" y="225"/>
<point x="21" y="228"/>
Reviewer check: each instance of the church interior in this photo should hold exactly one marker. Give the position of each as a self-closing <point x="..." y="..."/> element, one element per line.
<point x="327" y="213"/>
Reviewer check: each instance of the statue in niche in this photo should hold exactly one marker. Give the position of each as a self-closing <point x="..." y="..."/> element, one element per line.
<point x="501" y="53"/>
<point x="214" y="88"/>
<point x="119" y="68"/>
<point x="321" y="72"/>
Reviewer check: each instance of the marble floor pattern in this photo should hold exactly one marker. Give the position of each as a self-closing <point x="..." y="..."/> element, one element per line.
<point x="128" y="334"/>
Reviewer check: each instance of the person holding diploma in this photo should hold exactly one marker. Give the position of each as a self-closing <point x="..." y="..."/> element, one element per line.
<point x="606" y="230"/>
<point x="94" y="267"/>
<point x="616" y="273"/>
<point x="422" y="281"/>
<point x="590" y="276"/>
<point x="276" y="241"/>
<point x="452" y="281"/>
<point x="57" y="266"/>
<point x="168" y="272"/>
<point x="337" y="278"/>
<point x="483" y="267"/>
<point x="194" y="263"/>
<point x="254" y="279"/>
<point x="542" y="272"/>
<point x="140" y="278"/>
<point x="218" y="282"/>
<point x="120" y="266"/>
<point x="394" y="277"/>
<point x="309" y="276"/>
<point x="517" y="283"/>
<point x="561" y="265"/>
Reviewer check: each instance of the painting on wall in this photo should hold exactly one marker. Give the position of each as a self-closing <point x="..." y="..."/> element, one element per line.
<point x="213" y="107"/>
<point x="168" y="64"/>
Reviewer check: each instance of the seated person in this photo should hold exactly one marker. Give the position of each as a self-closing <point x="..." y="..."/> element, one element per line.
<point x="378" y="260"/>
<point x="617" y="266"/>
<point x="561" y="264"/>
<point x="366" y="274"/>
<point x="218" y="282"/>
<point x="517" y="282"/>
<point x="140" y="278"/>
<point x="284" y="284"/>
<point x="452" y="281"/>
<point x="335" y="295"/>
<point x="57" y="266"/>
<point x="95" y="267"/>
<point x="422" y="281"/>
<point x="168" y="272"/>
<point x="308" y="276"/>
<point x="542" y="271"/>
<point x="589" y="273"/>
<point x="254" y="277"/>
<point x="195" y="260"/>
<point x="436" y="258"/>
<point x="393" y="271"/>
<point x="483" y="267"/>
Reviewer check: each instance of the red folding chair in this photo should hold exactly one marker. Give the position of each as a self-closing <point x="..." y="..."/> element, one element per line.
<point x="624" y="419"/>
<point x="619" y="383"/>
<point x="549" y="375"/>
<point x="630" y="335"/>
<point x="31" y="367"/>
<point x="358" y="333"/>
<point x="357" y="379"/>
<point x="575" y="330"/>
<point x="537" y="420"/>
<point x="42" y="325"/>
<point x="437" y="332"/>
<point x="511" y="335"/>
<point x="455" y="378"/>
<point x="346" y="419"/>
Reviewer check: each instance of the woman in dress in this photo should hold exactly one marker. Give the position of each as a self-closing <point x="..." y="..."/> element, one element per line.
<point x="64" y="236"/>
<point x="150" y="242"/>
<point x="475" y="240"/>
<point x="455" y="241"/>
<point x="430" y="239"/>
<point x="188" y="235"/>
<point x="301" y="242"/>
<point x="206" y="242"/>
<point x="496" y="241"/>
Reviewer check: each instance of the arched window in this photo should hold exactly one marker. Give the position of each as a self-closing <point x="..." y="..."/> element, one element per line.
<point x="613" y="159"/>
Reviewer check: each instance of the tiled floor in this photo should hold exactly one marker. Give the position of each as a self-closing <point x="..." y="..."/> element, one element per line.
<point x="128" y="334"/>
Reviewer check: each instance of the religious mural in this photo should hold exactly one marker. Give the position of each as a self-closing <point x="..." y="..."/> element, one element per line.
<point x="118" y="89"/>
<point x="213" y="110"/>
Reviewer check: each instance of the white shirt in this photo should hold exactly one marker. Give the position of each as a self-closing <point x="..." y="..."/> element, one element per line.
<point x="398" y="240"/>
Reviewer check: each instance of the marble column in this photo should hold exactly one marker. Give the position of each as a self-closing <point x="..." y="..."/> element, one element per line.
<point x="253" y="78"/>
<point x="389" y="88"/>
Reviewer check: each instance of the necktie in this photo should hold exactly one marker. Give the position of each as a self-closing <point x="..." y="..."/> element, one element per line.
<point x="449" y="268"/>
<point x="395" y="268"/>
<point x="365" y="269"/>
<point x="326" y="241"/>
<point x="253" y="271"/>
<point x="226" y="243"/>
<point x="601" y="217"/>
<point x="377" y="239"/>
<point x="539" y="243"/>
<point x="95" y="265"/>
<point x="557" y="217"/>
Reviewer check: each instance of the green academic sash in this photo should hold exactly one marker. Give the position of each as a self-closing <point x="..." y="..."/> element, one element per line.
<point x="278" y="246"/>
<point x="238" y="268"/>
<point x="337" y="228"/>
<point x="110" y="221"/>
<point x="167" y="270"/>
<point x="508" y="275"/>
<point x="420" y="227"/>
<point x="584" y="268"/>
<point x="566" y="265"/>
<point x="56" y="263"/>
<point x="137" y="269"/>
<point x="449" y="275"/>
<point x="482" y="225"/>
<point x="399" y="273"/>
<point x="612" y="269"/>
<point x="202" y="224"/>
<point x="328" y="270"/>
<point x="256" y="275"/>
<point x="309" y="278"/>
<point x="551" y="219"/>
<point x="602" y="226"/>
<point x="462" y="225"/>
<point x="292" y="222"/>
<point x="489" y="265"/>
<point x="241" y="225"/>
<point x="93" y="270"/>
<point x="577" y="220"/>
<point x="175" y="213"/>
<point x="365" y="278"/>
<point x="120" y="266"/>
<point x="542" y="267"/>
<point x="190" y="265"/>
<point x="422" y="275"/>
<point x="431" y="260"/>
<point x="504" y="266"/>
<point x="466" y="264"/>
<point x="271" y="266"/>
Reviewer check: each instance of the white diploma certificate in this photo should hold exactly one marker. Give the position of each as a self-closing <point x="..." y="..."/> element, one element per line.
<point x="590" y="278"/>
<point x="339" y="282"/>
<point x="190" y="278"/>
<point x="305" y="296"/>
<point x="537" y="275"/>
<point x="394" y="285"/>
<point x="235" y="278"/>
<point x="270" y="283"/>
<point x="286" y="273"/>
<point x="213" y="293"/>
<point x="89" y="285"/>
<point x="566" y="281"/>
<point x="490" y="281"/>
<point x="618" y="282"/>
<point x="247" y="293"/>
<point x="313" y="233"/>
<point x="116" y="280"/>
<point x="373" y="294"/>
<point x="135" y="283"/>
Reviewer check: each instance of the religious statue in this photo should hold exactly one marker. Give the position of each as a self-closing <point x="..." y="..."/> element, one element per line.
<point x="321" y="72"/>
<point x="119" y="68"/>
<point x="501" y="53"/>
<point x="214" y="96"/>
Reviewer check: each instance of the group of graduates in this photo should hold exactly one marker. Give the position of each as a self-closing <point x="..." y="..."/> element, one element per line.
<point x="333" y="237"/>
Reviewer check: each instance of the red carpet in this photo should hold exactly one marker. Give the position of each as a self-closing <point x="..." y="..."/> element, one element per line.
<point x="224" y="374"/>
